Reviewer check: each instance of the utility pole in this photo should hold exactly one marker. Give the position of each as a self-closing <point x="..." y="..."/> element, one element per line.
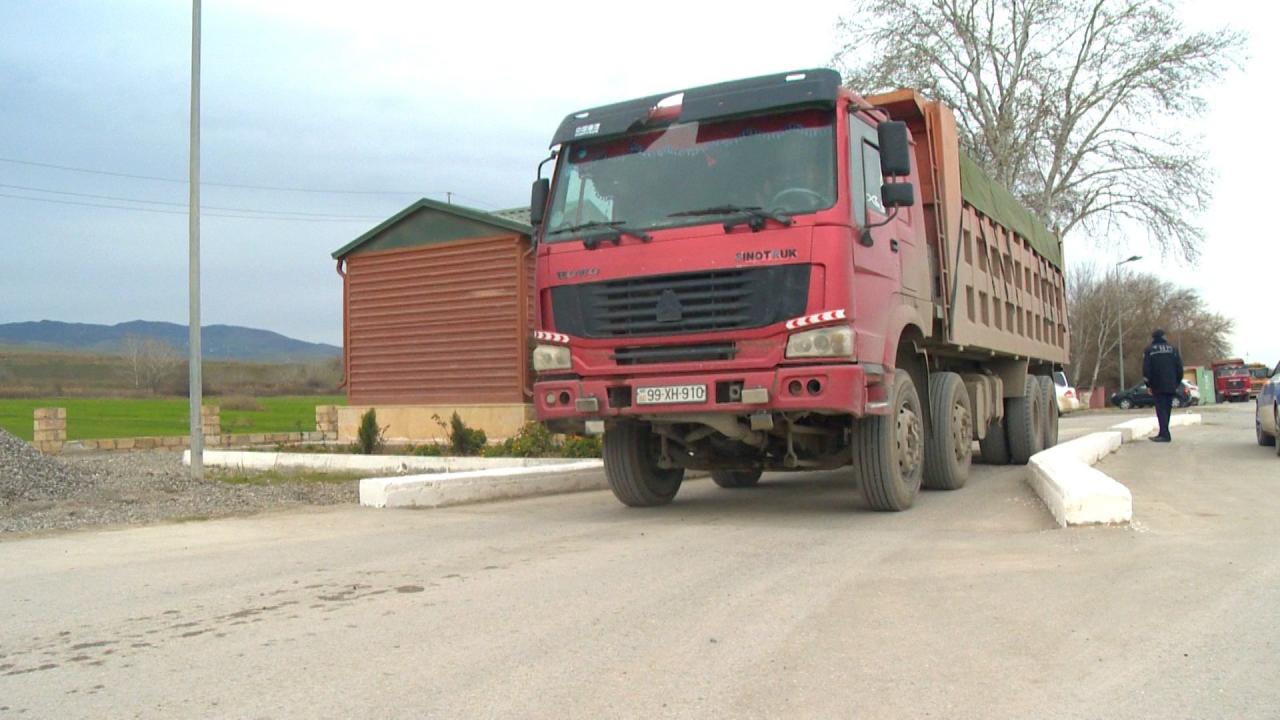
<point x="1120" y="325"/>
<point x="194" y="388"/>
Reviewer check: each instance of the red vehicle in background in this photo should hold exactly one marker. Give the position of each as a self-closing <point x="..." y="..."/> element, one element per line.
<point x="1231" y="380"/>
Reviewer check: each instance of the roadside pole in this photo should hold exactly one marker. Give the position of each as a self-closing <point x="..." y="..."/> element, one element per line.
<point x="194" y="388"/>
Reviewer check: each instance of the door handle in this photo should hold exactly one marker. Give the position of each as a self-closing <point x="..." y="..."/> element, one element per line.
<point x="893" y="245"/>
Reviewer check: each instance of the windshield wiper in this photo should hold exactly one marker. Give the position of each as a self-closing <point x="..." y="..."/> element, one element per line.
<point x="613" y="230"/>
<point x="753" y="215"/>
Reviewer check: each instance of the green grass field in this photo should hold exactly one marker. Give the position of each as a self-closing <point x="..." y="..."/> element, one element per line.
<point x="93" y="418"/>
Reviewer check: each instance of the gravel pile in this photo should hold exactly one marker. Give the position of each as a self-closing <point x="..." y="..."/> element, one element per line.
<point x="39" y="493"/>
<point x="27" y="475"/>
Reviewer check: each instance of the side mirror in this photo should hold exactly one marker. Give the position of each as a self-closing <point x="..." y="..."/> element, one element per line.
<point x="895" y="148"/>
<point x="897" y="195"/>
<point x="538" y="201"/>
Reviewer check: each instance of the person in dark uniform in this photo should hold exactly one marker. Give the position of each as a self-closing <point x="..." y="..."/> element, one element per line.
<point x="1162" y="369"/>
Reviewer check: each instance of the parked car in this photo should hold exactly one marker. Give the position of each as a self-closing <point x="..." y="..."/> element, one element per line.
<point x="1193" y="391"/>
<point x="1068" y="399"/>
<point x="1266" y="414"/>
<point x="1140" y="396"/>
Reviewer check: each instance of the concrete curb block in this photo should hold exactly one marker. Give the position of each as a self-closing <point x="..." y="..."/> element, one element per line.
<point x="1078" y="494"/>
<point x="458" y="488"/>
<point x="337" y="462"/>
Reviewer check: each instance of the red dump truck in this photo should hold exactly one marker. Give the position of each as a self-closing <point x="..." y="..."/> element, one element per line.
<point x="779" y="274"/>
<point x="1231" y="380"/>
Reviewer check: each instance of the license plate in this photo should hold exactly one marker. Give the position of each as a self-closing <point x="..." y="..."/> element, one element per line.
<point x="665" y="394"/>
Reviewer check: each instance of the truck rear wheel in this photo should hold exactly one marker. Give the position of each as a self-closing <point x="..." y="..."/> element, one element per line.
<point x="1049" y="407"/>
<point x="735" y="478"/>
<point x="995" y="446"/>
<point x="1025" y="421"/>
<point x="631" y="465"/>
<point x="948" y="453"/>
<point x="888" y="450"/>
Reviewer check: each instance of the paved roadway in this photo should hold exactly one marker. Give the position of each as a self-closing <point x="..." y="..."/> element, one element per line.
<point x="791" y="600"/>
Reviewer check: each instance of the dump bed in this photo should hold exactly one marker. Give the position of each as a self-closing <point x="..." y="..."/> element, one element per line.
<point x="997" y="271"/>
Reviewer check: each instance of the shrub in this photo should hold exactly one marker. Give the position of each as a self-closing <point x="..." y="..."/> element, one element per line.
<point x="429" y="450"/>
<point x="369" y="436"/>
<point x="464" y="440"/>
<point x="576" y="446"/>
<point x="532" y="440"/>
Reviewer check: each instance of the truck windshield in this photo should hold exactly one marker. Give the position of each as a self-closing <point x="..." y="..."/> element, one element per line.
<point x="781" y="163"/>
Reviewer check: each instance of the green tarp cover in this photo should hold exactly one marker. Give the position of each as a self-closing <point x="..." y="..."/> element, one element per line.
<point x="999" y="204"/>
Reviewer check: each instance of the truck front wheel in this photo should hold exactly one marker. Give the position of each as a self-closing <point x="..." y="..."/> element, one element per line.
<point x="735" y="478"/>
<point x="888" y="450"/>
<point x="949" y="451"/>
<point x="631" y="452"/>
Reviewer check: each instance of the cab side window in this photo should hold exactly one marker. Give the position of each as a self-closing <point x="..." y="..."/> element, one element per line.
<point x="865" y="175"/>
<point x="872" y="177"/>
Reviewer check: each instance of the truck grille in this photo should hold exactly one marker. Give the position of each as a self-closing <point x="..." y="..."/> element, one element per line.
<point x="682" y="303"/>
<point x="674" y="353"/>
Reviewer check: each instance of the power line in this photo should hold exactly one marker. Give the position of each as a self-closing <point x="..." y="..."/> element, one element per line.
<point x="183" y="205"/>
<point x="173" y="212"/>
<point x="157" y="178"/>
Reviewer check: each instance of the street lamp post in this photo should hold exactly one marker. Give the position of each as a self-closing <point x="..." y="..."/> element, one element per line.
<point x="1120" y="326"/>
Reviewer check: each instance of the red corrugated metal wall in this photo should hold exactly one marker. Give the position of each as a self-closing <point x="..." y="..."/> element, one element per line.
<point x="440" y="323"/>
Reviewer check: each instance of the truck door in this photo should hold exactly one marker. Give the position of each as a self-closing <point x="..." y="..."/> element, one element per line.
<point x="897" y="237"/>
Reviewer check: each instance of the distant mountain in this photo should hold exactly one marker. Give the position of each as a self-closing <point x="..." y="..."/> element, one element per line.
<point x="218" y="342"/>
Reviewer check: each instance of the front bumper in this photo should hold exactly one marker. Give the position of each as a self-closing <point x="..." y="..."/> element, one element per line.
<point x="840" y="389"/>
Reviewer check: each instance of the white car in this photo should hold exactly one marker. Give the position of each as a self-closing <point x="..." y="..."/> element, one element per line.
<point x="1193" y="391"/>
<point x="1068" y="400"/>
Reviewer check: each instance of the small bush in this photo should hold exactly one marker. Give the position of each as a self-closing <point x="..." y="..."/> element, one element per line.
<point x="464" y="440"/>
<point x="369" y="437"/>
<point x="240" y="402"/>
<point x="533" y="440"/>
<point x="576" y="446"/>
<point x="430" y="450"/>
<point x="502" y="449"/>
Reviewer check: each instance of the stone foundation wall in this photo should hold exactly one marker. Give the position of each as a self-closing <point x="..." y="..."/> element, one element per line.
<point x="50" y="430"/>
<point x="51" y="434"/>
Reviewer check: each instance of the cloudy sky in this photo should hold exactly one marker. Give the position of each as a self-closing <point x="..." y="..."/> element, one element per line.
<point x="320" y="118"/>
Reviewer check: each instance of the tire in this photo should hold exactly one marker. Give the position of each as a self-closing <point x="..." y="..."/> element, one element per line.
<point x="730" y="479"/>
<point x="1126" y="404"/>
<point x="631" y="466"/>
<point x="948" y="449"/>
<point x="888" y="450"/>
<point x="1263" y="438"/>
<point x="995" y="446"/>
<point x="1049" y="408"/>
<point x="1024" y="420"/>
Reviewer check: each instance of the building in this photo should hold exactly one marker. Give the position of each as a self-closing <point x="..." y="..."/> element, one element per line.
<point x="437" y="312"/>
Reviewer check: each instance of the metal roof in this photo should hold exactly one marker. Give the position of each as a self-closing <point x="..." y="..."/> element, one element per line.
<point x="500" y="219"/>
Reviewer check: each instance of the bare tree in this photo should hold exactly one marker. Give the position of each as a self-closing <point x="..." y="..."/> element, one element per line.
<point x="1072" y="104"/>
<point x="133" y="351"/>
<point x="1096" y="302"/>
<point x="157" y="363"/>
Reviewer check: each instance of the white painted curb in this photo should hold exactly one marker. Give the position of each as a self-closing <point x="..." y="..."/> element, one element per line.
<point x="339" y="462"/>
<point x="456" y="488"/>
<point x="1078" y="494"/>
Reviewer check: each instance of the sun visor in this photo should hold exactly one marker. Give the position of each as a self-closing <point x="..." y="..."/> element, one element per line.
<point x="801" y="87"/>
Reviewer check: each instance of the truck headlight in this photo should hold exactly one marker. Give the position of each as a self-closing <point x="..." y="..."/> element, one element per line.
<point x="551" y="357"/>
<point x="823" y="342"/>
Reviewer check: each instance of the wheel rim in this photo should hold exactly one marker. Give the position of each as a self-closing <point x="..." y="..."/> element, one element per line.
<point x="910" y="440"/>
<point x="961" y="432"/>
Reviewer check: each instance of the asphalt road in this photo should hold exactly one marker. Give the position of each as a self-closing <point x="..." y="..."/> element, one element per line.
<point x="790" y="600"/>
